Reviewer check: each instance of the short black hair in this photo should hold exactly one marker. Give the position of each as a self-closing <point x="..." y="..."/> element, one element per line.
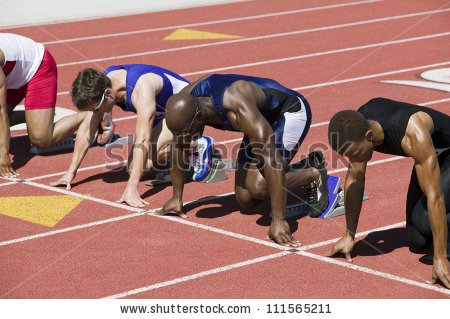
<point x="345" y="127"/>
<point x="88" y="87"/>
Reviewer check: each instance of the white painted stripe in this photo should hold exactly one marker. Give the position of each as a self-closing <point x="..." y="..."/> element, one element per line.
<point x="323" y="53"/>
<point x="73" y="228"/>
<point x="436" y="102"/>
<point x="260" y="16"/>
<point x="386" y="160"/>
<point x="87" y="168"/>
<point x="199" y="275"/>
<point x="371" y="76"/>
<point x="86" y="197"/>
<point x="177" y="49"/>
<point x="125" y="118"/>
<point x="361" y="234"/>
<point x="8" y="183"/>
<point x="375" y="272"/>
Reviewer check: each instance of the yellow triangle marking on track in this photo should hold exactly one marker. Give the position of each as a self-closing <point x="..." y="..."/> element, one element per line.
<point x="43" y="210"/>
<point x="188" y="34"/>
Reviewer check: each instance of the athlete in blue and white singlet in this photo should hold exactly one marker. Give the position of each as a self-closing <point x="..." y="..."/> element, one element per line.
<point x="142" y="89"/>
<point x="172" y="84"/>
<point x="274" y="120"/>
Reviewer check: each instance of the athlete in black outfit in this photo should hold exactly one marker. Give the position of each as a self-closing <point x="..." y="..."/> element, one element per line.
<point x="403" y="129"/>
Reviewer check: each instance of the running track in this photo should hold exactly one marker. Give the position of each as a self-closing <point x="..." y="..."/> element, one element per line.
<point x="334" y="52"/>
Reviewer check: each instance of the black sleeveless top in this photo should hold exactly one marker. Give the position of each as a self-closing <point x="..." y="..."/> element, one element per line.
<point x="393" y="117"/>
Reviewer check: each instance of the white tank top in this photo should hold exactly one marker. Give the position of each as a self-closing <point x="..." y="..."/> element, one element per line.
<point x="23" y="57"/>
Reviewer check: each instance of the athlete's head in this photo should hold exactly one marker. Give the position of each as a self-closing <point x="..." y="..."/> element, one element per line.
<point x="183" y="115"/>
<point x="350" y="135"/>
<point x="91" y="91"/>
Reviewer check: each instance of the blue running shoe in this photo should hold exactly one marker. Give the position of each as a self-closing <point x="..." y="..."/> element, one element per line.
<point x="202" y="158"/>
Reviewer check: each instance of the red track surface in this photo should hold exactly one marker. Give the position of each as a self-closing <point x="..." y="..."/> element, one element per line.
<point x="113" y="256"/>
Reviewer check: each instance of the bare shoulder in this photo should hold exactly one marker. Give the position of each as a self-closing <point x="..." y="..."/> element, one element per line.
<point x="243" y="93"/>
<point x="243" y="88"/>
<point x="150" y="80"/>
<point x="417" y="141"/>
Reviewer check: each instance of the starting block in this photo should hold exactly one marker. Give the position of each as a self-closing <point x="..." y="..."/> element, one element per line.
<point x="69" y="143"/>
<point x="335" y="202"/>
<point x="219" y="169"/>
<point x="66" y="144"/>
<point x="218" y="172"/>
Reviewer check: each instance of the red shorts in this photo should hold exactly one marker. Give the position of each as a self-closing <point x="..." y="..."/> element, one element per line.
<point x="40" y="92"/>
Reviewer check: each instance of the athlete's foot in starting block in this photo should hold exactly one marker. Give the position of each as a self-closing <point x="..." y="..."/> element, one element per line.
<point x="105" y="131"/>
<point x="66" y="144"/>
<point x="202" y="158"/>
<point x="335" y="206"/>
<point x="333" y="196"/>
<point x="162" y="178"/>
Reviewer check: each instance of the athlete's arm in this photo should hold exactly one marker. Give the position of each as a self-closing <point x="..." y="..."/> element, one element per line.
<point x="353" y="198"/>
<point x="242" y="99"/>
<point x="6" y="169"/>
<point x="418" y="144"/>
<point x="146" y="90"/>
<point x="85" y="136"/>
<point x="180" y="149"/>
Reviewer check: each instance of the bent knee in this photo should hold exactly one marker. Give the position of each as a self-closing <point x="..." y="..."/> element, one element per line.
<point x="244" y="199"/>
<point x="259" y="190"/>
<point x="418" y="241"/>
<point x="41" y="142"/>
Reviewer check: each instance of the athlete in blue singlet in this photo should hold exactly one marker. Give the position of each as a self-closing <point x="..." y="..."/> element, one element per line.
<point x="142" y="89"/>
<point x="274" y="120"/>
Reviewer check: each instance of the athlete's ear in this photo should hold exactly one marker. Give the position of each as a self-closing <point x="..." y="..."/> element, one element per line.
<point x="108" y="91"/>
<point x="369" y="136"/>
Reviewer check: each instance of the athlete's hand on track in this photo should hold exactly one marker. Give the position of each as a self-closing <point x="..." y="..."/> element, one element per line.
<point x="280" y="233"/>
<point x="66" y="180"/>
<point x="6" y="169"/>
<point x="131" y="197"/>
<point x="343" y="245"/>
<point x="441" y="271"/>
<point x="173" y="206"/>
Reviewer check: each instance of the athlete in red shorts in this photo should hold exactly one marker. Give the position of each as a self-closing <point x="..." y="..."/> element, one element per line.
<point x="28" y="71"/>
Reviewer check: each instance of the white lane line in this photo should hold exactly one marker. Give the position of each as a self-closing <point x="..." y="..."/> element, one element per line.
<point x="436" y="102"/>
<point x="385" y="160"/>
<point x="260" y="16"/>
<point x="365" y="77"/>
<point x="198" y="275"/>
<point x="87" y="168"/>
<point x="125" y="118"/>
<point x="8" y="183"/>
<point x="177" y="49"/>
<point x="361" y="234"/>
<point x="73" y="228"/>
<point x="323" y="53"/>
<point x="374" y="272"/>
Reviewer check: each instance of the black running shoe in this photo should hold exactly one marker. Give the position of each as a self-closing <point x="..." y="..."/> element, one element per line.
<point x="318" y="191"/>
